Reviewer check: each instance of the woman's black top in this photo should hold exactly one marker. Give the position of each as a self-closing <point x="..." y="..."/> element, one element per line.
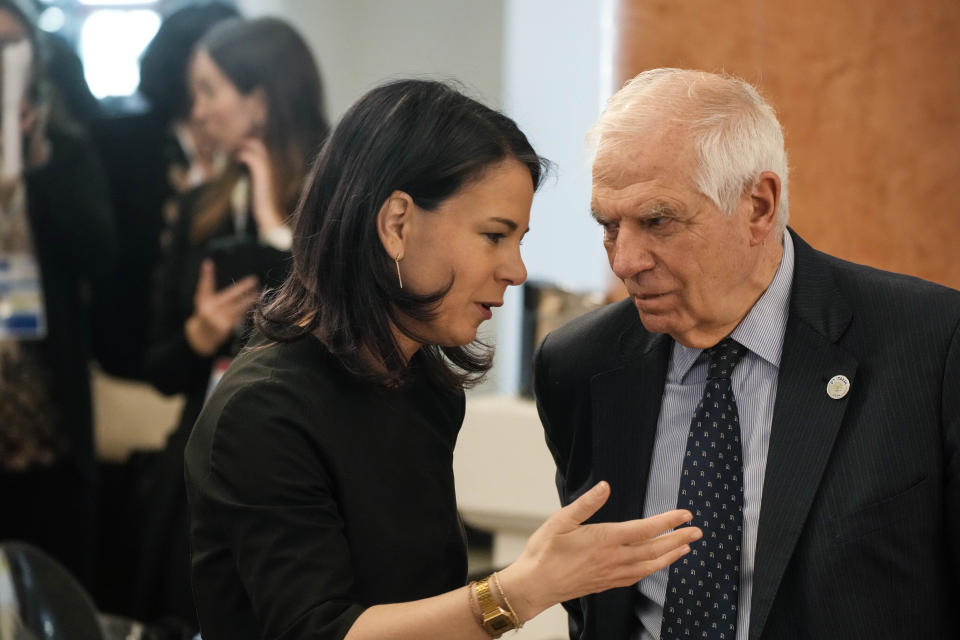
<point x="314" y="495"/>
<point x="172" y="366"/>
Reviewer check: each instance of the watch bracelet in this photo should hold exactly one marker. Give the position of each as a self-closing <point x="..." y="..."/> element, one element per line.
<point x="494" y="619"/>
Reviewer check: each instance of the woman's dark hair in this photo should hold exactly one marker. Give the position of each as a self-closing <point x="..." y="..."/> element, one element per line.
<point x="268" y="54"/>
<point x="163" y="65"/>
<point x="421" y="137"/>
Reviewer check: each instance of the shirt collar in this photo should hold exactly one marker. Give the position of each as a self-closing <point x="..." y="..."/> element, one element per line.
<point x="762" y="329"/>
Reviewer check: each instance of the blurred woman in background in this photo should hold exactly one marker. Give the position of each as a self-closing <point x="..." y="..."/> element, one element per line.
<point x="258" y="97"/>
<point x="152" y="152"/>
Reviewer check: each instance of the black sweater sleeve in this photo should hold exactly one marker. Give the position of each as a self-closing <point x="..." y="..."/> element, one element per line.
<point x="171" y="365"/>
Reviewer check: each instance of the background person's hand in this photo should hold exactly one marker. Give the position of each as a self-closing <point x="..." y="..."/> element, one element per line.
<point x="566" y="559"/>
<point x="217" y="313"/>
<point x="264" y="200"/>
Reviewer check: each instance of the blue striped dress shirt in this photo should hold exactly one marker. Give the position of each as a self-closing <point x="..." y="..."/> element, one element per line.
<point x="755" y="388"/>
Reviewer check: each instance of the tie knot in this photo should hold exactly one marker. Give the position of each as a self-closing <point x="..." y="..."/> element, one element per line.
<point x="724" y="356"/>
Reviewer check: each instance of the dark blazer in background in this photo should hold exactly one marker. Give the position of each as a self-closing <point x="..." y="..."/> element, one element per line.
<point x="55" y="507"/>
<point x="859" y="532"/>
<point x="137" y="150"/>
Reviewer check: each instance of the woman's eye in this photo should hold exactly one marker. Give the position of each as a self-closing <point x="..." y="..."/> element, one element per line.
<point x="495" y="238"/>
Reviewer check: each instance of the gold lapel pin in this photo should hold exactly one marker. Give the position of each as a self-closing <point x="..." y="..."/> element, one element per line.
<point x="838" y="387"/>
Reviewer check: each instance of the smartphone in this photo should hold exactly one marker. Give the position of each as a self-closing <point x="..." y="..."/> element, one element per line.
<point x="237" y="258"/>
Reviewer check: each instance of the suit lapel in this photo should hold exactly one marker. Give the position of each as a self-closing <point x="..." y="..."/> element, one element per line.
<point x="805" y="422"/>
<point x="625" y="408"/>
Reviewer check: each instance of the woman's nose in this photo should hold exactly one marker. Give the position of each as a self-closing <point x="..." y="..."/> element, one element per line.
<point x="514" y="272"/>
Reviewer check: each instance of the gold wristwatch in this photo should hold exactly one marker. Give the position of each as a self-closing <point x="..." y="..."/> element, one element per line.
<point x="495" y="619"/>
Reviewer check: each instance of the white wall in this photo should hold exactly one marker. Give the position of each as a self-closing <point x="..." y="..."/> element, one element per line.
<point x="554" y="86"/>
<point x="360" y="43"/>
<point x="555" y="81"/>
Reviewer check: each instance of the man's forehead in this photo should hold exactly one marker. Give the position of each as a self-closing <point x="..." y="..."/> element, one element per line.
<point x="659" y="157"/>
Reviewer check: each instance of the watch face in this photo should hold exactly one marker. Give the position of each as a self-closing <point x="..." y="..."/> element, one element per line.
<point x="498" y="623"/>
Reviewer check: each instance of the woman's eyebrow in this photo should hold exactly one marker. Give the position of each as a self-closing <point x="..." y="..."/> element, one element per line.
<point x="507" y="221"/>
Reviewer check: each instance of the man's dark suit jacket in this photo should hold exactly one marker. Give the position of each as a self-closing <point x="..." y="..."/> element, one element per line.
<point x="859" y="533"/>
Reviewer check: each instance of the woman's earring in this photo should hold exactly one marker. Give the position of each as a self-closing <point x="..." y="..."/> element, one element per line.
<point x="399" y="278"/>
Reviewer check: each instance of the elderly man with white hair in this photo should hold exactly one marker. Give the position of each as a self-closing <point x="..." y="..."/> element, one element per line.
<point x="806" y="410"/>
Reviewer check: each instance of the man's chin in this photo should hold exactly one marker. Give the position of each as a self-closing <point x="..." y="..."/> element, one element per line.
<point x="658" y="321"/>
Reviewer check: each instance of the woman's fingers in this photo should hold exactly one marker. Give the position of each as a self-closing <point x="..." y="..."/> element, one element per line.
<point x="570" y="559"/>
<point x="638" y="531"/>
<point x="660" y="545"/>
<point x="206" y="282"/>
<point x="225" y="308"/>
<point x="238" y="307"/>
<point x="244" y="304"/>
<point x="253" y="153"/>
<point x="575" y="513"/>
<point x="633" y="562"/>
<point x="645" y="567"/>
<point x="239" y="290"/>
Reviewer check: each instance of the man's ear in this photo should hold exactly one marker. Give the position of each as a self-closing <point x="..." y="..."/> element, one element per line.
<point x="393" y="221"/>
<point x="764" y="204"/>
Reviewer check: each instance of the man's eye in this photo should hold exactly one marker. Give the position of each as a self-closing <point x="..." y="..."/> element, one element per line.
<point x="657" y="222"/>
<point x="610" y="228"/>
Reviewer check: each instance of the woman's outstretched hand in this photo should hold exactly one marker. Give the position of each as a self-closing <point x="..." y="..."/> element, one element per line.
<point x="566" y="559"/>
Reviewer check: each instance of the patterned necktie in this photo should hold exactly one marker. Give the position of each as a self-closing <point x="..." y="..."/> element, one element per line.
<point x="702" y="590"/>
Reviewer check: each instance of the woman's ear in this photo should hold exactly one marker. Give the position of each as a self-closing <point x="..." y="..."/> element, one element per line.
<point x="392" y="221"/>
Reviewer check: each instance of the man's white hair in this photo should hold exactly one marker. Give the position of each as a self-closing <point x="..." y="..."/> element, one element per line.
<point x="734" y="131"/>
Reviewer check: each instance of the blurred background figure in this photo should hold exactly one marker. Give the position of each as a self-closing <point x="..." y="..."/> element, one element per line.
<point x="56" y="240"/>
<point x="152" y="152"/>
<point x="258" y="98"/>
<point x="163" y="81"/>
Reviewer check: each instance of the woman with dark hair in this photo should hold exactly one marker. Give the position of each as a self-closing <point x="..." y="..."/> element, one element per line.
<point x="258" y="96"/>
<point x="319" y="473"/>
<point x="153" y="152"/>
<point x="163" y="65"/>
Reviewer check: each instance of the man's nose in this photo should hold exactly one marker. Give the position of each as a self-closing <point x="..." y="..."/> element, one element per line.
<point x="629" y="254"/>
